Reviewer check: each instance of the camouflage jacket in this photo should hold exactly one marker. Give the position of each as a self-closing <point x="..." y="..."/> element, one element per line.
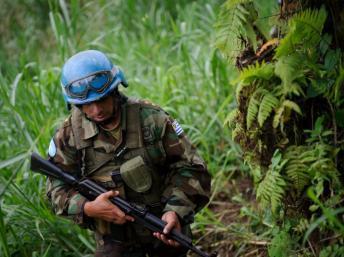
<point x="149" y="139"/>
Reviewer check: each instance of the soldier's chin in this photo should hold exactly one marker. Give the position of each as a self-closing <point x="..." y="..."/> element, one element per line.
<point x="101" y="119"/>
<point x="105" y="121"/>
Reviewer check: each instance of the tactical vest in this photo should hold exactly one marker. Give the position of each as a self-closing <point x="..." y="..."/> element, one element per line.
<point x="138" y="158"/>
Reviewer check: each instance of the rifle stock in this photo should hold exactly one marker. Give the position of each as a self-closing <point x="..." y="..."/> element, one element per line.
<point x="91" y="190"/>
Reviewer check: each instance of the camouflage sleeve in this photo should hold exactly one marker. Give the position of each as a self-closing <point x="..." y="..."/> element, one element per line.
<point x="64" y="199"/>
<point x="188" y="181"/>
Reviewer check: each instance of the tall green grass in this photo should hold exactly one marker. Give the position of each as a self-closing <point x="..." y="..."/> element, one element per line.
<point x="165" y="49"/>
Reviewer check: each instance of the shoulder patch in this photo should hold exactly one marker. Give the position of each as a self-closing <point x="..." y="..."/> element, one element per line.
<point x="52" y="148"/>
<point x="177" y="128"/>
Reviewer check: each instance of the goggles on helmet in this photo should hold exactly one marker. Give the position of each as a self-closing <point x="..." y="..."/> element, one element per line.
<point x="98" y="82"/>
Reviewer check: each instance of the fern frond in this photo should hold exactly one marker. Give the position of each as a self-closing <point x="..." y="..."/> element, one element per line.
<point x="297" y="168"/>
<point x="304" y="32"/>
<point x="231" y="118"/>
<point x="234" y="26"/>
<point x="339" y="86"/>
<point x="257" y="71"/>
<point x="266" y="107"/>
<point x="256" y="172"/>
<point x="297" y="172"/>
<point x="302" y="226"/>
<point x="309" y="165"/>
<point x="319" y="86"/>
<point x="237" y="132"/>
<point x="252" y="111"/>
<point x="292" y="106"/>
<point x="289" y="69"/>
<point x="253" y="76"/>
<point x="332" y="250"/>
<point x="293" y="150"/>
<point x="326" y="167"/>
<point x="271" y="189"/>
<point x="279" y="117"/>
<point x="239" y="88"/>
<point x="293" y="89"/>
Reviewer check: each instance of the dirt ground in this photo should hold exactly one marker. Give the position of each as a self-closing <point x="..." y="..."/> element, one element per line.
<point x="222" y="238"/>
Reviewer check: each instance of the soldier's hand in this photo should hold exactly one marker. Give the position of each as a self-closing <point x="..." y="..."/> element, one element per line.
<point x="102" y="208"/>
<point x="172" y="223"/>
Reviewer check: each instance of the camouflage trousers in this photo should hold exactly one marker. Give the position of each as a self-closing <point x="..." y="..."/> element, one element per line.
<point x="136" y="246"/>
<point x="112" y="248"/>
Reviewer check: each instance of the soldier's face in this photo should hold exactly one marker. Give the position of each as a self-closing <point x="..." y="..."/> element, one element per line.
<point x="99" y="111"/>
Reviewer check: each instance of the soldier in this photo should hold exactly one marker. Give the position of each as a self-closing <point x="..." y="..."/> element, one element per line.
<point x="131" y="147"/>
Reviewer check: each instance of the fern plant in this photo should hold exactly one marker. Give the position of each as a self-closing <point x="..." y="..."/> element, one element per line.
<point x="267" y="93"/>
<point x="304" y="31"/>
<point x="281" y="244"/>
<point x="242" y="24"/>
<point x="289" y="115"/>
<point x="272" y="188"/>
<point x="298" y="167"/>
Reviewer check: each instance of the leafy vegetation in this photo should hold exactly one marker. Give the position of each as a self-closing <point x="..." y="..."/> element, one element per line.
<point x="287" y="123"/>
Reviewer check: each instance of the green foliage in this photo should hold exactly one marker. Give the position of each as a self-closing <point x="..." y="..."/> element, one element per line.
<point x="316" y="162"/>
<point x="64" y="19"/>
<point x="299" y="158"/>
<point x="241" y="23"/>
<point x="272" y="89"/>
<point x="302" y="226"/>
<point x="281" y="245"/>
<point x="234" y="21"/>
<point x="268" y="104"/>
<point x="289" y="69"/>
<point x="332" y="251"/>
<point x="337" y="92"/>
<point x="231" y="117"/>
<point x="289" y="125"/>
<point x="282" y="113"/>
<point x="252" y="111"/>
<point x="264" y="99"/>
<point x="299" y="167"/>
<point x="304" y="31"/>
<point x="264" y="71"/>
<point x="272" y="188"/>
<point x="330" y="219"/>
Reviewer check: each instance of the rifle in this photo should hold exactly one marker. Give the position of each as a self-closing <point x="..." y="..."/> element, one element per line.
<point x="91" y="190"/>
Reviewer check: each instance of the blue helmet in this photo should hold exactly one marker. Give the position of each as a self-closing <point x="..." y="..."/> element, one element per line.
<point x="88" y="76"/>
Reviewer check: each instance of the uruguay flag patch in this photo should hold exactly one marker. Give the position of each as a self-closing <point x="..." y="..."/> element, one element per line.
<point x="177" y="128"/>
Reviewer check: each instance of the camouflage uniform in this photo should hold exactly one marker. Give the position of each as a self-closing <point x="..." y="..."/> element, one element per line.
<point x="159" y="169"/>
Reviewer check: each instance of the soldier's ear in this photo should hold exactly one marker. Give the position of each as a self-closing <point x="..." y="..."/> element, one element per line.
<point x="120" y="96"/>
<point x="69" y="106"/>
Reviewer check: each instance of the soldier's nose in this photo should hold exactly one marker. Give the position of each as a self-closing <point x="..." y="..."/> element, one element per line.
<point x="96" y="108"/>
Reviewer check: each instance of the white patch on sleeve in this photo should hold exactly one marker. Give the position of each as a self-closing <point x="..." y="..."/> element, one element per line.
<point x="52" y="148"/>
<point x="177" y="128"/>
